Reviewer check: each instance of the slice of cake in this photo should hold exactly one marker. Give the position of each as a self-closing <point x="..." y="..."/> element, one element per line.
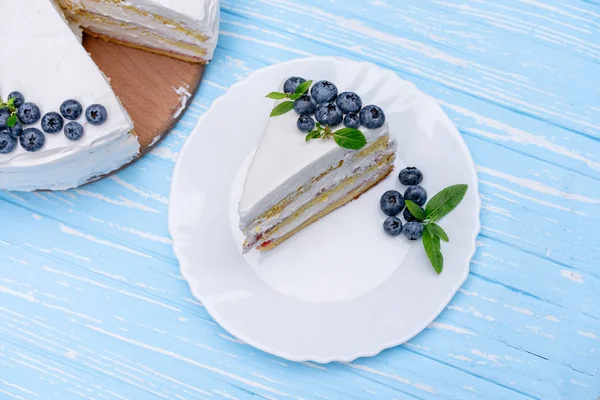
<point x="182" y="29"/>
<point x="304" y="169"/>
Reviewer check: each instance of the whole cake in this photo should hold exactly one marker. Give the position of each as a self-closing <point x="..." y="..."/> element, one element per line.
<point x="61" y="124"/>
<point x="320" y="150"/>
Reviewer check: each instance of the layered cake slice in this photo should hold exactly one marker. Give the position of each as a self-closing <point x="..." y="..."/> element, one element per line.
<point x="184" y="29"/>
<point x="312" y="160"/>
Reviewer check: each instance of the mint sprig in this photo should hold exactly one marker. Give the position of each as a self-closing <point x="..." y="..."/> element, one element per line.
<point x="10" y="104"/>
<point x="348" y="138"/>
<point x="438" y="207"/>
<point x="289" y="105"/>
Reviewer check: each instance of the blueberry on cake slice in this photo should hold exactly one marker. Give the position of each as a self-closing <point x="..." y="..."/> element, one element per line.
<point x="320" y="150"/>
<point x="184" y="29"/>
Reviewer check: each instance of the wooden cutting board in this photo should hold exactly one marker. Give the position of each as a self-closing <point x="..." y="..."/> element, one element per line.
<point x="146" y="84"/>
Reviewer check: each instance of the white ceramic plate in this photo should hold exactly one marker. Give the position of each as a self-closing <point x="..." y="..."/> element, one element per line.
<point x="339" y="289"/>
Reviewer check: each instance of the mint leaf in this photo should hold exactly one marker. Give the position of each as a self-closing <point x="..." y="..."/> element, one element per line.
<point x="276" y="95"/>
<point x="11" y="121"/>
<point x="349" y="138"/>
<point x="415" y="210"/>
<point x="445" y="201"/>
<point x="296" y="96"/>
<point x="282" y="108"/>
<point x="302" y="88"/>
<point x="438" y="231"/>
<point x="313" y="135"/>
<point x="431" y="244"/>
<point x="11" y="103"/>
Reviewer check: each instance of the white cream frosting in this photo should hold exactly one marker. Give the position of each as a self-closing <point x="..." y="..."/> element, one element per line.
<point x="352" y="166"/>
<point x="55" y="67"/>
<point x="284" y="161"/>
<point x="199" y="16"/>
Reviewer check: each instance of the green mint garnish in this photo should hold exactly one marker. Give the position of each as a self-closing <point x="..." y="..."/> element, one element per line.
<point x="431" y="243"/>
<point x="277" y="96"/>
<point x="349" y="138"/>
<point x="11" y="121"/>
<point x="282" y="108"/>
<point x="438" y="207"/>
<point x="415" y="210"/>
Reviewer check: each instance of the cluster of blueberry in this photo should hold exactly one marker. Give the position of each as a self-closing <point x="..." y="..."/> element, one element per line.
<point x="392" y="203"/>
<point x="330" y="109"/>
<point x="27" y="113"/>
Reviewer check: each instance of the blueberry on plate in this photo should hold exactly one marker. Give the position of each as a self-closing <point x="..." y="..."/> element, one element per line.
<point x="32" y="139"/>
<point x="413" y="230"/>
<point x="349" y="102"/>
<point x="292" y="83"/>
<point x="4" y="114"/>
<point x="372" y="117"/>
<point x="324" y="92"/>
<point x="392" y="226"/>
<point x="352" y="120"/>
<point x="71" y="109"/>
<point x="96" y="114"/>
<point x="416" y="194"/>
<point x="16" y="130"/>
<point x="19" y="99"/>
<point x="52" y="122"/>
<point x="408" y="217"/>
<point x="73" y="130"/>
<point x="391" y="203"/>
<point x="305" y="105"/>
<point x="329" y="114"/>
<point x="410" y="176"/>
<point x="7" y="142"/>
<point x="305" y="123"/>
<point x="28" y="113"/>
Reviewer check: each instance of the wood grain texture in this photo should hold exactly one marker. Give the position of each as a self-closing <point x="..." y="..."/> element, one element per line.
<point x="151" y="87"/>
<point x="92" y="304"/>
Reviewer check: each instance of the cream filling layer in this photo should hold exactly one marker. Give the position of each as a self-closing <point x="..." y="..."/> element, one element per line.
<point x="262" y="231"/>
<point x="202" y="24"/>
<point x="66" y="173"/>
<point x="352" y="163"/>
<point x="362" y="181"/>
<point x="141" y="36"/>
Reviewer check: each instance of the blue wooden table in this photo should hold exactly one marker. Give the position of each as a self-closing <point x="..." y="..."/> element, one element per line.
<point x="92" y="304"/>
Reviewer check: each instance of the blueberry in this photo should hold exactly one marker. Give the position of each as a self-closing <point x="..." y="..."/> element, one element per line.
<point x="4" y="114"/>
<point x="413" y="230"/>
<point x="391" y="203"/>
<point x="372" y="117"/>
<point x="305" y="105"/>
<point x="16" y="130"/>
<point x="352" y="120"/>
<point x="71" y="109"/>
<point x="19" y="99"/>
<point x="32" y="139"/>
<point x="292" y="83"/>
<point x="96" y="114"/>
<point x="416" y="194"/>
<point x="28" y="113"/>
<point x="329" y="114"/>
<point x="392" y="226"/>
<point x="410" y="176"/>
<point x="349" y="102"/>
<point x="52" y="122"/>
<point x="305" y="123"/>
<point x="7" y="142"/>
<point x="408" y="215"/>
<point x="73" y="130"/>
<point x="324" y="92"/>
